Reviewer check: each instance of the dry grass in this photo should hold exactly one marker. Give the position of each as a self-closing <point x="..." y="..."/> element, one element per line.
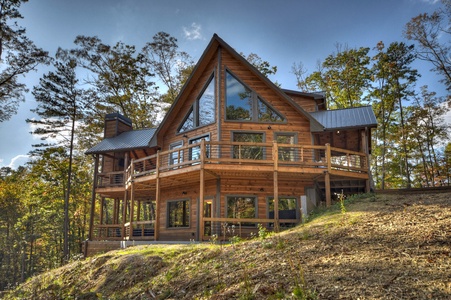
<point x="384" y="247"/>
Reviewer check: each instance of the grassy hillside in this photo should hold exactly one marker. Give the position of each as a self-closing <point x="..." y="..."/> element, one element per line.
<point x="384" y="247"/>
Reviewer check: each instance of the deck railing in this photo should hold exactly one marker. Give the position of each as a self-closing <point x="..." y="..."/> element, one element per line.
<point x="110" y="179"/>
<point x="140" y="229"/>
<point x="134" y="230"/>
<point x="234" y="153"/>
<point x="107" y="232"/>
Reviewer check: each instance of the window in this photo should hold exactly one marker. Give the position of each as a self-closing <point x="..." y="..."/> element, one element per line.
<point x="178" y="213"/>
<point x="202" y="112"/>
<point x="248" y="152"/>
<point x="206" y="105"/>
<point x="176" y="157"/>
<point x="287" y="209"/>
<point x="242" y="207"/>
<point x="195" y="151"/>
<point x="286" y="153"/>
<point x="188" y="123"/>
<point x="267" y="114"/>
<point x="243" y="104"/>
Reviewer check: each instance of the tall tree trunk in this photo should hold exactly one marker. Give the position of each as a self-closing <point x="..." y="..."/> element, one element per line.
<point x="404" y="145"/>
<point x="425" y="166"/>
<point x="66" y="250"/>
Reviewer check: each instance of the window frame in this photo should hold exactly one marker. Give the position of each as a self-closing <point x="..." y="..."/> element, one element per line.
<point x="295" y="153"/>
<point x="199" y="137"/>
<point x="168" y="213"/>
<point x="194" y="108"/>
<point x="243" y="224"/>
<point x="296" y="209"/>
<point x="172" y="146"/>
<point x="255" y="97"/>
<point x="249" y="132"/>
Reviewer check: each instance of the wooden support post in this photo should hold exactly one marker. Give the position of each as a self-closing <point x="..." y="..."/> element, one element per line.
<point x="132" y="203"/>
<point x="327" y="187"/>
<point x="328" y="158"/>
<point x="327" y="176"/>
<point x="115" y="211"/>
<point x="366" y="149"/>
<point x="157" y="199"/>
<point x="124" y="212"/>
<point x="275" y="155"/>
<point x="102" y="204"/>
<point x="202" y="190"/>
<point x="93" y="198"/>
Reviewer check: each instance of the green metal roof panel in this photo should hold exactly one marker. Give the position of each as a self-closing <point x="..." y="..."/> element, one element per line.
<point x="356" y="117"/>
<point x="129" y="140"/>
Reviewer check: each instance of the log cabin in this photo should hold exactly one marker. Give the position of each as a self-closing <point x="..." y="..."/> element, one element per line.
<point x="233" y="151"/>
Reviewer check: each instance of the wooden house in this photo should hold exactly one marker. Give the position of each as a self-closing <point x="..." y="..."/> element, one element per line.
<point x="234" y="149"/>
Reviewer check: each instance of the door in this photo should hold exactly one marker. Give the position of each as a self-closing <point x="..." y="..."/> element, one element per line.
<point x="208" y="213"/>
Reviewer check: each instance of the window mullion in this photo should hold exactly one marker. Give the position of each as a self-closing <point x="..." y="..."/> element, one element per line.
<point x="254" y="107"/>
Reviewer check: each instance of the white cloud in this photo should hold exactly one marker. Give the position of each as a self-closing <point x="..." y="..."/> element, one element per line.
<point x="430" y="1"/>
<point x="193" y="32"/>
<point x="18" y="160"/>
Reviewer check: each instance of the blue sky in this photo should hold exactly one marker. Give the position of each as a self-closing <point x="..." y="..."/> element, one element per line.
<point x="281" y="32"/>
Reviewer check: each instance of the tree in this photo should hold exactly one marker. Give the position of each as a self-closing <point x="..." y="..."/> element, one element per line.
<point x="447" y="164"/>
<point x="299" y="72"/>
<point x="395" y="78"/>
<point x="172" y="66"/>
<point x="18" y="56"/>
<point x="120" y="81"/>
<point x="261" y="65"/>
<point x="61" y="105"/>
<point x="344" y="77"/>
<point x="12" y="188"/>
<point x="428" y="129"/>
<point x="431" y="32"/>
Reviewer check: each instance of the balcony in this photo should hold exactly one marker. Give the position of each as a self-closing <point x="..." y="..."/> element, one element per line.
<point x="222" y="157"/>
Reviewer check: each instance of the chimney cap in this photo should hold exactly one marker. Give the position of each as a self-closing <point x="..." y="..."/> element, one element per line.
<point x="118" y="116"/>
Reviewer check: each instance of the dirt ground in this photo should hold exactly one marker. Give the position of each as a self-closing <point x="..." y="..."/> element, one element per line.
<point x="378" y="247"/>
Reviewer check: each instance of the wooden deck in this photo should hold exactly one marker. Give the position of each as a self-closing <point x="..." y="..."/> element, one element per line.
<point x="236" y="160"/>
<point x="195" y="164"/>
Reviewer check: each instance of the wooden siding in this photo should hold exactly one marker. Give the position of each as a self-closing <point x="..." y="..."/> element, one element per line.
<point x="113" y="161"/>
<point x="345" y="139"/>
<point x="186" y="192"/>
<point x="115" y="127"/>
<point x="307" y="103"/>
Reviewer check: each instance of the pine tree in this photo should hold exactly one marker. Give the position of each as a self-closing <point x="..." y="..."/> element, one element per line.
<point x="18" y="56"/>
<point x="61" y="106"/>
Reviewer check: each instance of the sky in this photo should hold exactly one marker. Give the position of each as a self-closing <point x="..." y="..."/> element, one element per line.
<point x="280" y="32"/>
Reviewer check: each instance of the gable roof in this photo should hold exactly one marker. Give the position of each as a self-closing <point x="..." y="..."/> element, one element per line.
<point x="348" y="118"/>
<point x="129" y="140"/>
<point x="215" y="43"/>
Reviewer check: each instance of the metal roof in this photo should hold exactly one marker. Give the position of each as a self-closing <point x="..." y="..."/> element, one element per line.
<point x="356" y="117"/>
<point x="129" y="140"/>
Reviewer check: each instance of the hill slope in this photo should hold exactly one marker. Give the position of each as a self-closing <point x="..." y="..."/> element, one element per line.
<point x="384" y="247"/>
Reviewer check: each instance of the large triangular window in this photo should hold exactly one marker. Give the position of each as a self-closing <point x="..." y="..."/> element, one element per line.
<point x="202" y="112"/>
<point x="243" y="104"/>
<point x="188" y="123"/>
